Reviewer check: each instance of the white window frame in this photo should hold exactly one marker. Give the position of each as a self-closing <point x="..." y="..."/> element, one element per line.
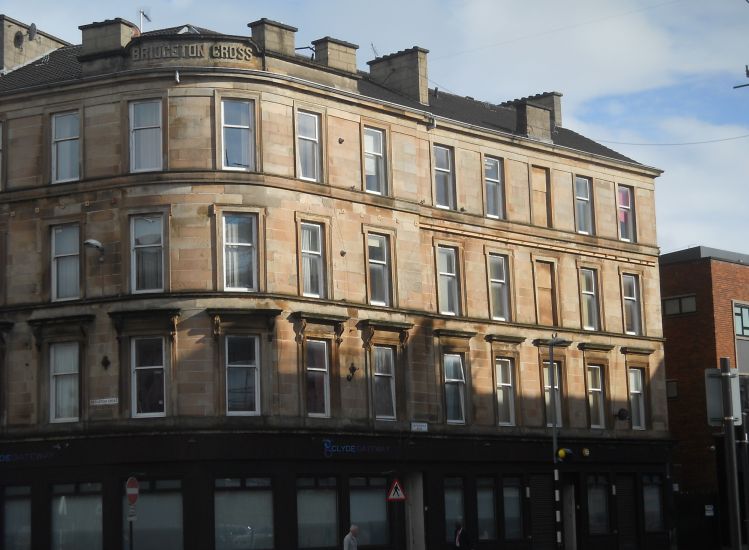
<point x="53" y="382"/>
<point x="386" y="272"/>
<point x="586" y="201"/>
<point x="380" y="160"/>
<point x="450" y="171"/>
<point x="503" y="285"/>
<point x="134" y="130"/>
<point x="56" y="142"/>
<point x="640" y="393"/>
<point x="254" y="367"/>
<point x="635" y="300"/>
<point x="54" y="259"/>
<point x="600" y="391"/>
<point x="506" y="386"/>
<point x="629" y="211"/>
<point x="134" y="380"/>
<point x="557" y="389"/>
<point x="325" y="371"/>
<point x="390" y="376"/>
<point x="251" y="245"/>
<point x="250" y="104"/>
<point x="316" y="140"/>
<point x="450" y="276"/>
<point x="134" y="248"/>
<point x="499" y="184"/>
<point x="316" y="256"/>
<point x="460" y="382"/>
<point x="590" y="295"/>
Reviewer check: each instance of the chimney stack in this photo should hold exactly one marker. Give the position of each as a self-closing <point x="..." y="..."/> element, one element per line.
<point x="404" y="72"/>
<point x="336" y="54"/>
<point x="106" y="37"/>
<point x="272" y="36"/>
<point x="534" y="121"/>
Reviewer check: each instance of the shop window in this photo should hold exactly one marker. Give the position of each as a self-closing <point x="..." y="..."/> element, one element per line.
<point x="159" y="523"/>
<point x="317" y="512"/>
<point x="486" y="509"/>
<point x="76" y="516"/>
<point x="243" y="511"/>
<point x="454" y="510"/>
<point x="652" y="496"/>
<point x="17" y="517"/>
<point x="238" y="134"/>
<point x="369" y="510"/>
<point x="512" y="505"/>
<point x="598" y="505"/>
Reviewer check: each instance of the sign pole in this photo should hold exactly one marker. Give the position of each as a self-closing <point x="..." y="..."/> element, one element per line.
<point x="131" y="534"/>
<point x="730" y="450"/>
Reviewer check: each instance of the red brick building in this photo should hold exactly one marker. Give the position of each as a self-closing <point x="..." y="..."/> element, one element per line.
<point x="705" y="296"/>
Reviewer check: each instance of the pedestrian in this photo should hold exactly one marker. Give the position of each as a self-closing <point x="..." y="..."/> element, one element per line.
<point x="462" y="537"/>
<point x="351" y="541"/>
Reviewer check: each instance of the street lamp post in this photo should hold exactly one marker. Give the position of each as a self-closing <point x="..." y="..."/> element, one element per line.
<point x="555" y="341"/>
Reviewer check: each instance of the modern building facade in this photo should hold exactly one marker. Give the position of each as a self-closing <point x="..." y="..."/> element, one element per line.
<point x="705" y="317"/>
<point x="269" y="286"/>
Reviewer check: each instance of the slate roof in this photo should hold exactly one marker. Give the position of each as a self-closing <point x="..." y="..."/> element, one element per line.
<point x="62" y="65"/>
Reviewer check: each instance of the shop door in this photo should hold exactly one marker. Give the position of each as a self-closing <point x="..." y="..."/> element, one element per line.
<point x="569" y="515"/>
<point x="543" y="527"/>
<point x="626" y="512"/>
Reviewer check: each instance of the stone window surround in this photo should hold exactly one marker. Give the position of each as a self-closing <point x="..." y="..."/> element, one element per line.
<point x="127" y="251"/>
<point x="459" y="247"/>
<point x="502" y="183"/>
<point x="560" y="357"/>
<point x="587" y="263"/>
<point x="327" y="248"/>
<point x="505" y="346"/>
<point x="594" y="354"/>
<point x="456" y="342"/>
<point x="554" y="260"/>
<point x="217" y="212"/>
<point x="453" y="173"/>
<point x="237" y="95"/>
<point x="637" y="358"/>
<point x="47" y="160"/>
<point x="591" y="203"/>
<point x="640" y="274"/>
<point x="125" y="101"/>
<point x="632" y="210"/>
<point x="392" y="236"/>
<point x="45" y="238"/>
<point x="385" y="128"/>
<point x="509" y="255"/>
<point x="321" y="112"/>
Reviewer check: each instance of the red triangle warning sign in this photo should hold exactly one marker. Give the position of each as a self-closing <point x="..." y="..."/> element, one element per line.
<point x="396" y="494"/>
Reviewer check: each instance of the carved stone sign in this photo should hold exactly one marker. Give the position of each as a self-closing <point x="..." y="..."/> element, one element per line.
<point x="196" y="51"/>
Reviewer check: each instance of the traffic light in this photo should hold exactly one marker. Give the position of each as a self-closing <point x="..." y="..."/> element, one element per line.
<point x="563" y="454"/>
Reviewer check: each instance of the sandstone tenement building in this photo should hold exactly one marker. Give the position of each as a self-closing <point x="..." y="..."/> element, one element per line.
<point x="270" y="285"/>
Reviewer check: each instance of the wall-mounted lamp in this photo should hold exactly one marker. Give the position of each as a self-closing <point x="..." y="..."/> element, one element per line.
<point x="622" y="414"/>
<point x="351" y="369"/>
<point x="105" y="362"/>
<point x="93" y="243"/>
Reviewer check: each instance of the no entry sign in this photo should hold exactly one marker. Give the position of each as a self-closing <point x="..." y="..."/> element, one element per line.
<point x="131" y="489"/>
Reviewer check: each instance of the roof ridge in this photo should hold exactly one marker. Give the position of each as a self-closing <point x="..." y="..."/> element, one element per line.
<point x="530" y="97"/>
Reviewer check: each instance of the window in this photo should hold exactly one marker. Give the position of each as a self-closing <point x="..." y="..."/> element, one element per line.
<point x="378" y="254"/>
<point x="147" y="377"/>
<point x="308" y="144"/>
<point x="145" y="136"/>
<point x="583" y="206"/>
<point x="317" y="363"/>
<point x="76" y="516"/>
<point x="495" y="188"/>
<point x="499" y="288"/>
<point x="553" y="415"/>
<point x="455" y="388"/>
<point x="64" y="381"/>
<point x="242" y="375"/>
<point x="637" y="398"/>
<point x="65" y="262"/>
<point x="17" y="517"/>
<point x="374" y="161"/>
<point x="369" y="510"/>
<point x="243" y="511"/>
<point x="631" y="293"/>
<point x="680" y="304"/>
<point x="486" y="509"/>
<point x="384" y="382"/>
<point x="652" y="497"/>
<point x="238" y="134"/>
<point x="317" y="512"/>
<point x="598" y="505"/>
<point x="505" y="392"/>
<point x="159" y="522"/>
<point x="444" y="179"/>
<point x="626" y="213"/>
<point x="313" y="268"/>
<point x="596" y="396"/>
<point x="447" y="272"/>
<point x="147" y="253"/>
<point x="589" y="296"/>
<point x="741" y="322"/>
<point x="513" y="508"/>
<point x="65" y="147"/>
<point x="454" y="511"/>
<point x="240" y="252"/>
<point x="741" y="319"/>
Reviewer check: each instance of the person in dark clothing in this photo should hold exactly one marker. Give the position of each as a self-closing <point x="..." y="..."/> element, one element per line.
<point x="462" y="537"/>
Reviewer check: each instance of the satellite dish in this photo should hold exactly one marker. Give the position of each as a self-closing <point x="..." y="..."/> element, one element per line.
<point x="32" y="31"/>
<point x="18" y="39"/>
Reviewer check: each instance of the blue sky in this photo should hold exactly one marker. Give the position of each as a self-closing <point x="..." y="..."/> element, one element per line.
<point x="635" y="71"/>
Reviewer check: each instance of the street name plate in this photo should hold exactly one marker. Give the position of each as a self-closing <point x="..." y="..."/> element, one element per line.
<point x="714" y="396"/>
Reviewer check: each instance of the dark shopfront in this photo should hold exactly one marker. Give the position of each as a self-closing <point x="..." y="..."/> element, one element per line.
<point x="251" y="490"/>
